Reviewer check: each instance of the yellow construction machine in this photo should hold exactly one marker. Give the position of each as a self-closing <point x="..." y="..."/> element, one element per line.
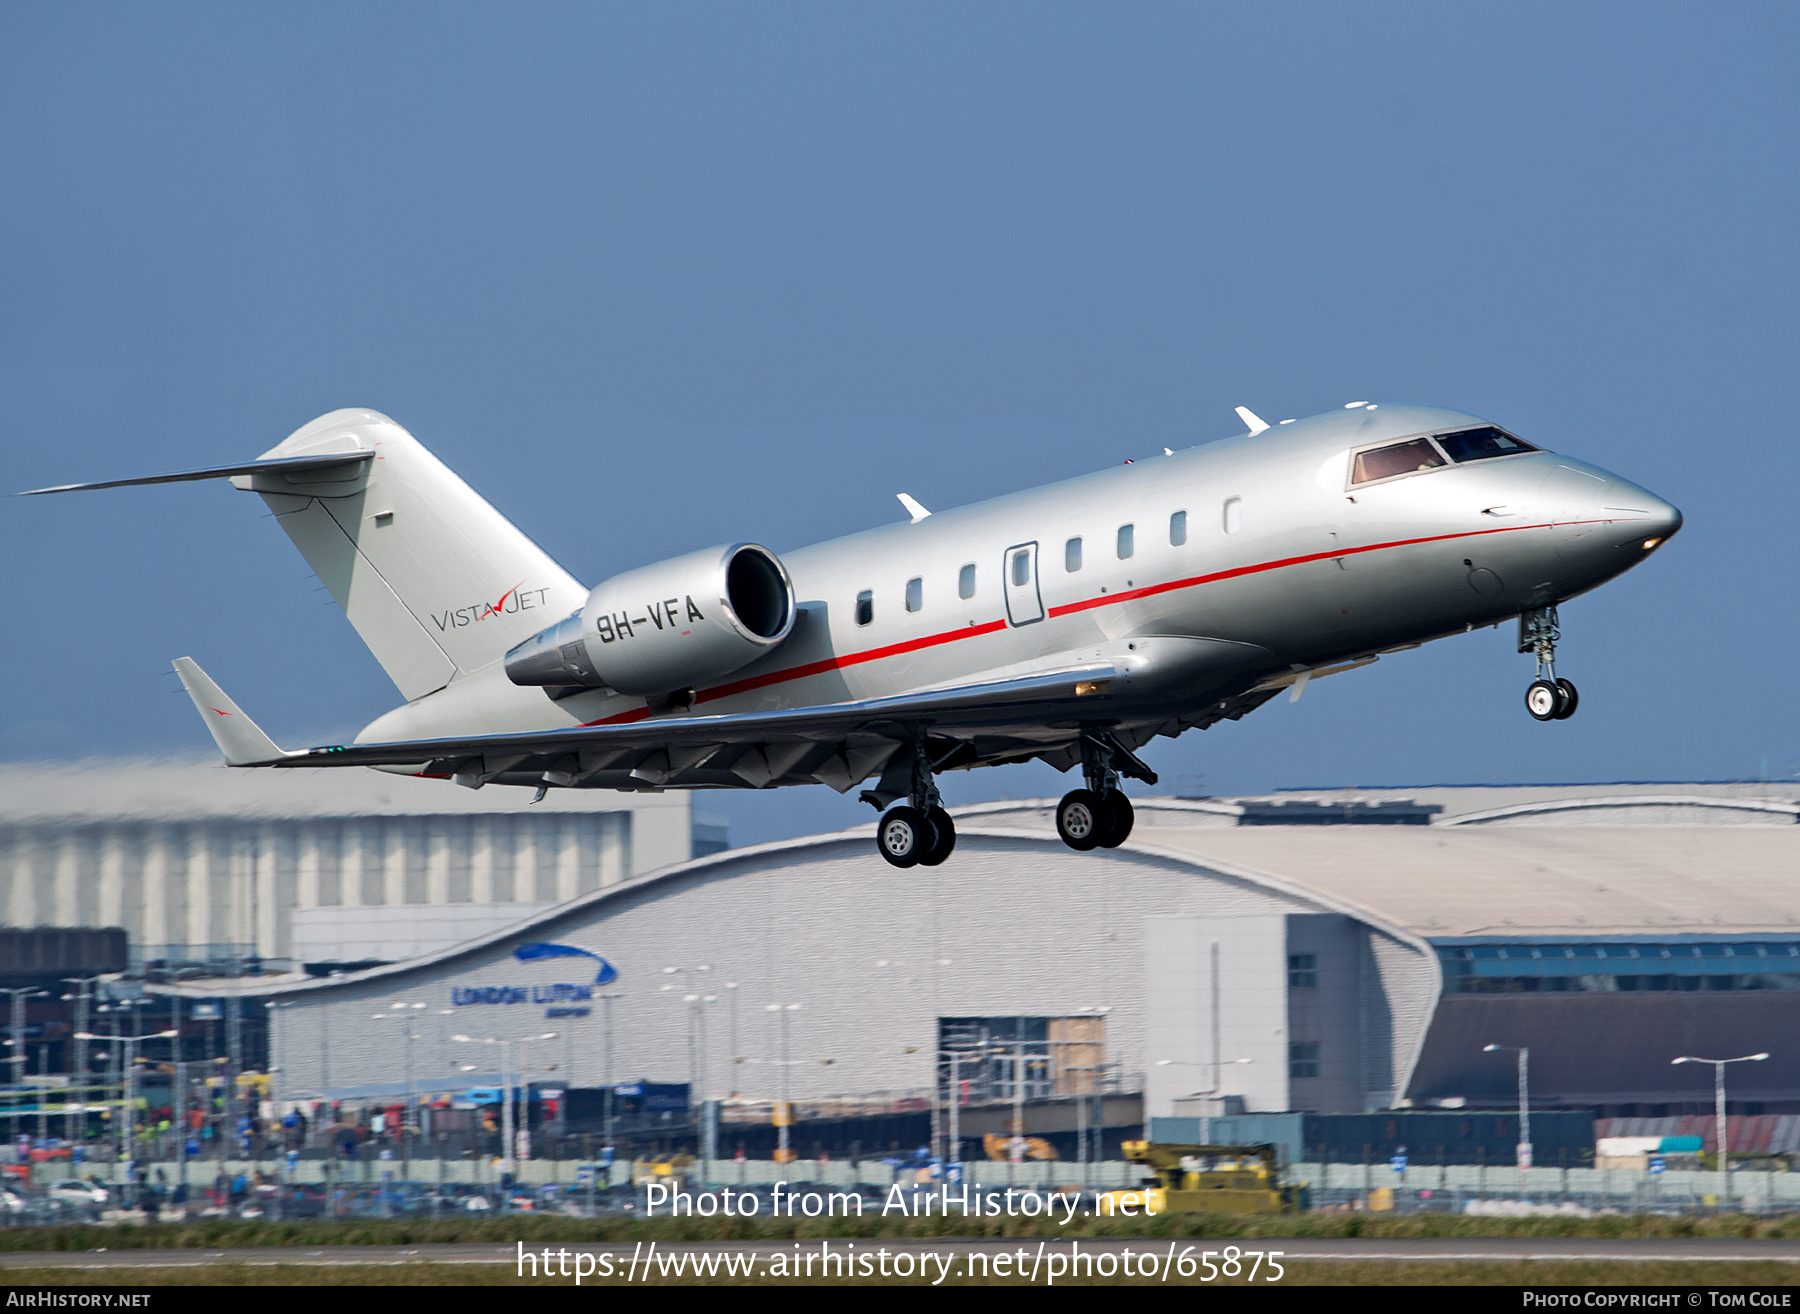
<point x="1204" y="1179"/>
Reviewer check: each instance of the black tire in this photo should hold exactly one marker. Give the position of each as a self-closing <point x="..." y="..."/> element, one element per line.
<point x="1543" y="700"/>
<point x="1082" y="818"/>
<point x="1569" y="702"/>
<point x="903" y="835"/>
<point x="1123" y="815"/>
<point x="943" y="838"/>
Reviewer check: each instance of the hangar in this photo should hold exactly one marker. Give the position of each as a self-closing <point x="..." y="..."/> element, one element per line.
<point x="1220" y="959"/>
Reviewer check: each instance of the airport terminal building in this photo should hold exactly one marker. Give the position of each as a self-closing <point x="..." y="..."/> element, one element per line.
<point x="1335" y="952"/>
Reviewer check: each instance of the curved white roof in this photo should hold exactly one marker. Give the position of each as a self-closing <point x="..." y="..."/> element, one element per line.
<point x="1636" y="810"/>
<point x="1516" y="879"/>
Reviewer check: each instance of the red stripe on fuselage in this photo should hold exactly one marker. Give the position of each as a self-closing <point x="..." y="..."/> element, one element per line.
<point x="853" y="659"/>
<point x="1103" y="600"/>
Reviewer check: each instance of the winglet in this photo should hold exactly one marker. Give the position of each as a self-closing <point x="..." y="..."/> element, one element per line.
<point x="1256" y="422"/>
<point x="913" y="509"/>
<point x="238" y="737"/>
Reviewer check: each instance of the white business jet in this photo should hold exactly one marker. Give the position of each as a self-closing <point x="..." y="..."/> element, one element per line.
<point x="1071" y="624"/>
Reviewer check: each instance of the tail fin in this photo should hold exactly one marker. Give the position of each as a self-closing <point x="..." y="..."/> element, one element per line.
<point x="437" y="583"/>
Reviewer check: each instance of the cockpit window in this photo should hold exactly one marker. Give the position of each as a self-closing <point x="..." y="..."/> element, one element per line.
<point x="1480" y="444"/>
<point x="1397" y="459"/>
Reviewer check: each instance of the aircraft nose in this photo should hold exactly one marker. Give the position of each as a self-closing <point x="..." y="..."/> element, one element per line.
<point x="1659" y="525"/>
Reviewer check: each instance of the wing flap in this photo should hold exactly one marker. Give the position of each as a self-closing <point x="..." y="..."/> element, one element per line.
<point x="964" y="709"/>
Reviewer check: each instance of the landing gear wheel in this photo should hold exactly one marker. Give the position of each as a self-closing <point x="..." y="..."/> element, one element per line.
<point x="1543" y="700"/>
<point x="943" y="838"/>
<point x="1082" y="818"/>
<point x="1569" y="701"/>
<point x="903" y="836"/>
<point x="1122" y="817"/>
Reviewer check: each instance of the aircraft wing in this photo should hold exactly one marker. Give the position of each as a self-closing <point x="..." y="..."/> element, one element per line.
<point x="840" y="744"/>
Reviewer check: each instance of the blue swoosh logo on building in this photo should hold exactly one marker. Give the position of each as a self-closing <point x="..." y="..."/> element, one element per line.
<point x="526" y="953"/>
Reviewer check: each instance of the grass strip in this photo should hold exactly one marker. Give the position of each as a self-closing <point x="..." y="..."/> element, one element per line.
<point x="1374" y="1273"/>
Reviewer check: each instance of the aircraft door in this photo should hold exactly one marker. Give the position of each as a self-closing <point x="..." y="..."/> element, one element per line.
<point x="1019" y="568"/>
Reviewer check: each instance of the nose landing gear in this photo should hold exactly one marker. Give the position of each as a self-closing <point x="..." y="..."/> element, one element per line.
<point x="1549" y="698"/>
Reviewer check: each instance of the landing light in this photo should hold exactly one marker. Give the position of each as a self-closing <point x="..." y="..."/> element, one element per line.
<point x="1650" y="543"/>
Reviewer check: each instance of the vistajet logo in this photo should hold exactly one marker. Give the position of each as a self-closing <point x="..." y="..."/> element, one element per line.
<point x="516" y="599"/>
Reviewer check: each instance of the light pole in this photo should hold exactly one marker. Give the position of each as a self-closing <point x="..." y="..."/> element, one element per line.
<point x="1213" y="1090"/>
<point x="702" y="1083"/>
<point x="278" y="1050"/>
<point x="130" y="1043"/>
<point x="80" y="998"/>
<point x="17" y="1041"/>
<point x="785" y="1114"/>
<point x="406" y="1026"/>
<point x="1719" y="1111"/>
<point x="506" y="1105"/>
<point x="736" y="1058"/>
<point x="1524" y="1053"/>
<point x="606" y="1124"/>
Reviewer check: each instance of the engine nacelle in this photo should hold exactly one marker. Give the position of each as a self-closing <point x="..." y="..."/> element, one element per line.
<point x="666" y="627"/>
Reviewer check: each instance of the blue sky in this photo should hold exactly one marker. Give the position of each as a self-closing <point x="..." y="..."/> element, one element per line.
<point x="652" y="276"/>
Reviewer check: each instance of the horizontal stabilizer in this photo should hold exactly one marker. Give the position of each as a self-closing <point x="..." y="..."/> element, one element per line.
<point x="280" y="465"/>
<point x="239" y="738"/>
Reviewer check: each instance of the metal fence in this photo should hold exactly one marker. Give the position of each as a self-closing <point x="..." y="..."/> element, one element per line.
<point x="1465" y="1188"/>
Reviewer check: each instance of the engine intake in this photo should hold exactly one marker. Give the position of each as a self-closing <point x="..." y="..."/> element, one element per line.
<point x="665" y="627"/>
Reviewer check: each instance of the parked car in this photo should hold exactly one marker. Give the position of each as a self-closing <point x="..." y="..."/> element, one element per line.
<point x="74" y="1190"/>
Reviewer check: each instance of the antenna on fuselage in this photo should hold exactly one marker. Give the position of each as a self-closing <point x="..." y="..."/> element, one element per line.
<point x="1257" y="423"/>
<point x="912" y="506"/>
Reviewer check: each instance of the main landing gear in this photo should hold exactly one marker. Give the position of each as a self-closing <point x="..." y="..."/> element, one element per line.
<point x="1100" y="816"/>
<point x="1548" y="698"/>
<point x="918" y="832"/>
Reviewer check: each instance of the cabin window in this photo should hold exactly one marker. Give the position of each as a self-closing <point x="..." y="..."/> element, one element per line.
<point x="915" y="593"/>
<point x="965" y="581"/>
<point x="1021" y="563"/>
<point x="1072" y="555"/>
<point x="1396" y="459"/>
<point x="865" y="607"/>
<point x="1234" y="514"/>
<point x="1481" y="444"/>
<point x="1178" y="529"/>
<point x="1127" y="536"/>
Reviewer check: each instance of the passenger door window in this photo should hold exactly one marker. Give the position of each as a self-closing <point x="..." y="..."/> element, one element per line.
<point x="1023" y="602"/>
